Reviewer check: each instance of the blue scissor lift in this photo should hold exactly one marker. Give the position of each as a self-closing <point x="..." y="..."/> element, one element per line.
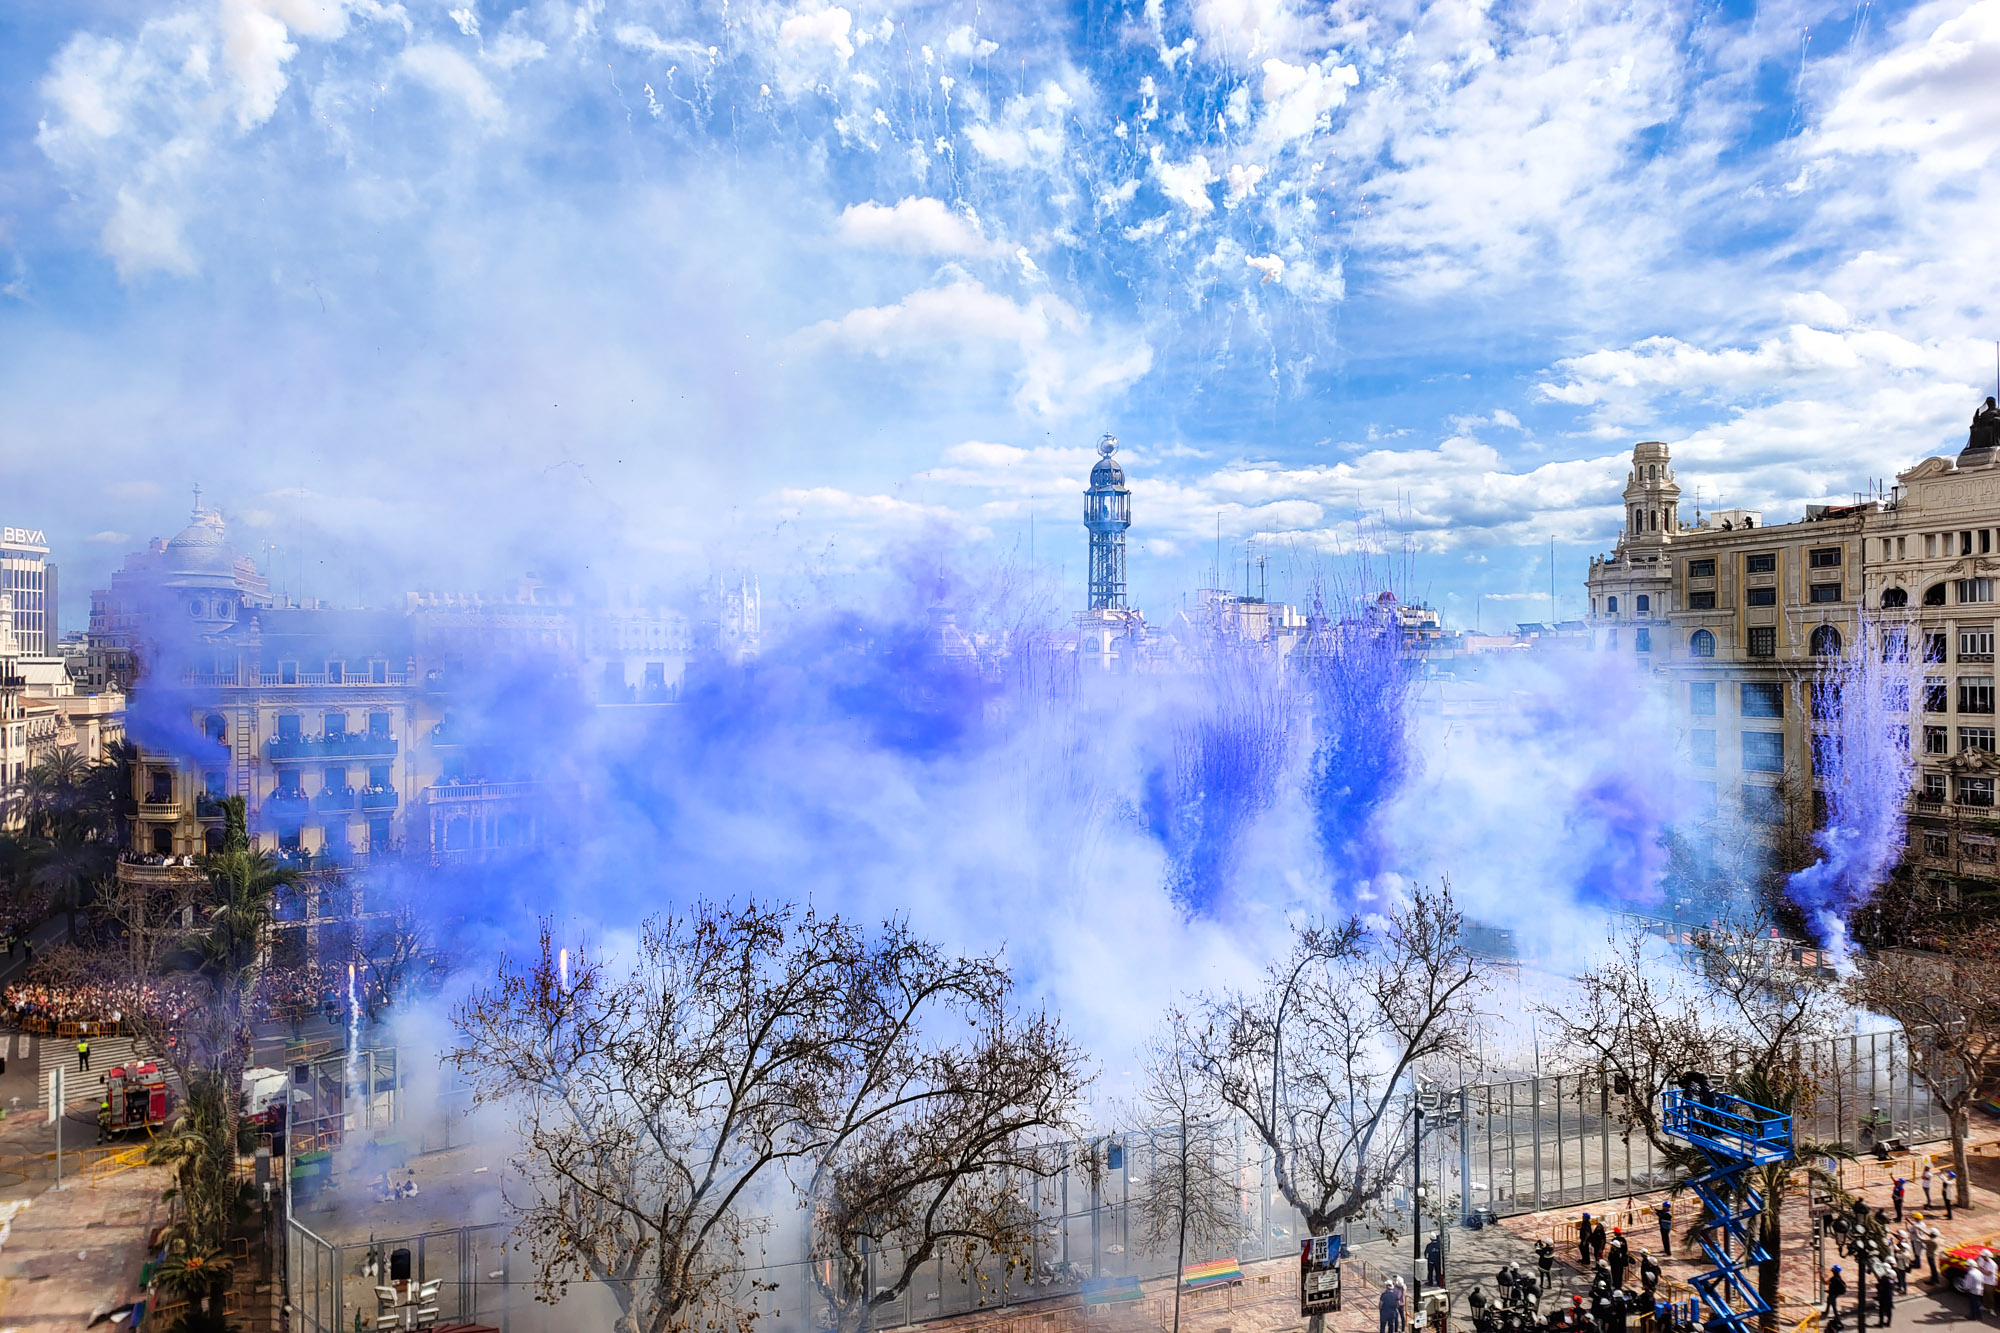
<point x="1734" y="1135"/>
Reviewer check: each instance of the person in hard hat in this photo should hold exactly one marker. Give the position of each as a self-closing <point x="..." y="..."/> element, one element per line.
<point x="104" y="1120"/>
<point x="1836" y="1287"/>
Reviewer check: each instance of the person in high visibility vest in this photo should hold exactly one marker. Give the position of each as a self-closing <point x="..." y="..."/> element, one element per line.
<point x="104" y="1120"/>
<point x="82" y="1053"/>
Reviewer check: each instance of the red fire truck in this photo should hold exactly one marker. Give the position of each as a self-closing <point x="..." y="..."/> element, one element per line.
<point x="138" y="1096"/>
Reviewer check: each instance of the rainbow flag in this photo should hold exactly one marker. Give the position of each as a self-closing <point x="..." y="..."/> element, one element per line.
<point x="1216" y="1273"/>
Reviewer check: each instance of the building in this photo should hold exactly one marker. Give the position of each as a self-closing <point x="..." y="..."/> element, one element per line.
<point x="1737" y="619"/>
<point x="29" y="580"/>
<point x="41" y="712"/>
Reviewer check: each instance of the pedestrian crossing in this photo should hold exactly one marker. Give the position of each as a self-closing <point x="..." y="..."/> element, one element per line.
<point x="106" y="1054"/>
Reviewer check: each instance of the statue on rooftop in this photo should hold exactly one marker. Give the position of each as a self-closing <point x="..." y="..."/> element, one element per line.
<point x="1985" y="433"/>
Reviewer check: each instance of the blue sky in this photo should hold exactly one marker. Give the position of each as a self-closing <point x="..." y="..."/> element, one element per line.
<point x="432" y="293"/>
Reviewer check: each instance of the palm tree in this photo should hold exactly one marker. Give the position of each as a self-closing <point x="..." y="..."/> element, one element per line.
<point x="197" y="1276"/>
<point x="66" y="868"/>
<point x="73" y="812"/>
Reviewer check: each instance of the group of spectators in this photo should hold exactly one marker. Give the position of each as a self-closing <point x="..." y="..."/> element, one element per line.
<point x="1884" y="1250"/>
<point x="88" y="1001"/>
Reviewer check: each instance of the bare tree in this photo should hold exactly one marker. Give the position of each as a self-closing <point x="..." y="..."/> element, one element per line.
<point x="1188" y="1195"/>
<point x="1316" y="1058"/>
<point x="940" y="1149"/>
<point x="660" y="1107"/>
<point x="1947" y="1002"/>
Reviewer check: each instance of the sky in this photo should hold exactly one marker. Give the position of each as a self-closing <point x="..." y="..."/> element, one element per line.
<point x="433" y="294"/>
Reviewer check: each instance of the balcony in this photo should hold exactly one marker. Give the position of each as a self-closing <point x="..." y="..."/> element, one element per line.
<point x="1929" y="805"/>
<point x="207" y="807"/>
<point x="463" y="790"/>
<point x="346" y="745"/>
<point x="288" y="801"/>
<point x="342" y="799"/>
<point x="378" y="798"/>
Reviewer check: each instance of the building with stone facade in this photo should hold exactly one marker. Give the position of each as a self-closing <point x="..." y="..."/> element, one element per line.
<point x="1736" y="620"/>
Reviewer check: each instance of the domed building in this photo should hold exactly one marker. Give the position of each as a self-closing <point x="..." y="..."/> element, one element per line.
<point x="192" y="584"/>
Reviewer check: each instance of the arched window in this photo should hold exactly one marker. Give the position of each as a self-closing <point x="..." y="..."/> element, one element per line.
<point x="1613" y="603"/>
<point x="1826" y="642"/>
<point x="1644" y="606"/>
<point x="1892" y="598"/>
<point x="1934" y="595"/>
<point x="1701" y="644"/>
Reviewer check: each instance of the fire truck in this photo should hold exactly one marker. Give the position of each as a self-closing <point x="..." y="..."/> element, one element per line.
<point x="138" y="1095"/>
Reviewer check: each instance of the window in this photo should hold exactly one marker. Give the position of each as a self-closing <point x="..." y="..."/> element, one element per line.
<point x="1934" y="595"/>
<point x="1985" y="543"/>
<point x="1826" y="751"/>
<point x="213" y="727"/>
<point x="1976" y="738"/>
<point x="1642" y="605"/>
<point x="1899" y="736"/>
<point x="378" y="776"/>
<point x="1896" y="696"/>
<point x="1701" y="601"/>
<point x="1975" y="645"/>
<point x="1701" y="644"/>
<point x="213" y="785"/>
<point x="336" y="725"/>
<point x="1965" y="543"/>
<point x="288" y="785"/>
<point x="163" y="840"/>
<point x="1824" y="699"/>
<point x="1937" y="842"/>
<point x="1895" y="644"/>
<point x="288" y="726"/>
<point x="1824" y="592"/>
<point x="1762" y="699"/>
<point x="378" y="725"/>
<point x="161" y="791"/>
<point x="1642" y="640"/>
<point x="1936" y="698"/>
<point x="1761" y="596"/>
<point x="378" y="834"/>
<point x="1975" y="694"/>
<point x="1937" y="740"/>
<point x="1934" y="648"/>
<point x="1612" y="604"/>
<point x="1763" y="805"/>
<point x="291" y="838"/>
<point x="1764" y="562"/>
<point x="1704" y="799"/>
<point x="1975" y="590"/>
<point x="288" y="673"/>
<point x="1930" y="546"/>
<point x="1701" y="698"/>
<point x="656" y="677"/>
<point x="334" y="779"/>
<point x="1975" y="791"/>
<point x="1825" y="640"/>
<point x="378" y="672"/>
<point x="1894" y="599"/>
<point x="333" y="673"/>
<point x="1701" y="569"/>
<point x="1934" y="787"/>
<point x="1764" y="751"/>
<point x="1611" y="639"/>
<point x="1701" y="749"/>
<point x="1824" y="557"/>
<point x="1976" y="848"/>
<point x="1763" y="641"/>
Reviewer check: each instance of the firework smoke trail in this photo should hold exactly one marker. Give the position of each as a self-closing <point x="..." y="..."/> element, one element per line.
<point x="354" y="1036"/>
<point x="1359" y="684"/>
<point x="1859" y="707"/>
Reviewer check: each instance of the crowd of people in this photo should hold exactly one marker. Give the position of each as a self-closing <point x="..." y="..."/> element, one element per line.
<point x="91" y="1001"/>
<point x="1610" y="1306"/>
<point x="1884" y="1250"/>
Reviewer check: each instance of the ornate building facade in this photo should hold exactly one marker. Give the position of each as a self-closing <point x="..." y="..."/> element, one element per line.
<point x="1736" y="619"/>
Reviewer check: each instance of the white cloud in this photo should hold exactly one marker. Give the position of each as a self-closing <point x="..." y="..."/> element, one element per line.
<point x="809" y="43"/>
<point x="1298" y="98"/>
<point x="916" y="225"/>
<point x="963" y="41"/>
<point x="1272" y="267"/>
<point x="1186" y="183"/>
<point x="1060" y="367"/>
<point x="1932" y="98"/>
<point x="446" y="72"/>
<point x="257" y="45"/>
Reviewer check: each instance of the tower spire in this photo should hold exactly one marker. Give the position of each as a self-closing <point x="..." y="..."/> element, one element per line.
<point x="1107" y="512"/>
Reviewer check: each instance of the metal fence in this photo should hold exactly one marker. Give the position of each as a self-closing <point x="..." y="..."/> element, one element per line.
<point x="1510" y="1146"/>
<point x="329" y="1284"/>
